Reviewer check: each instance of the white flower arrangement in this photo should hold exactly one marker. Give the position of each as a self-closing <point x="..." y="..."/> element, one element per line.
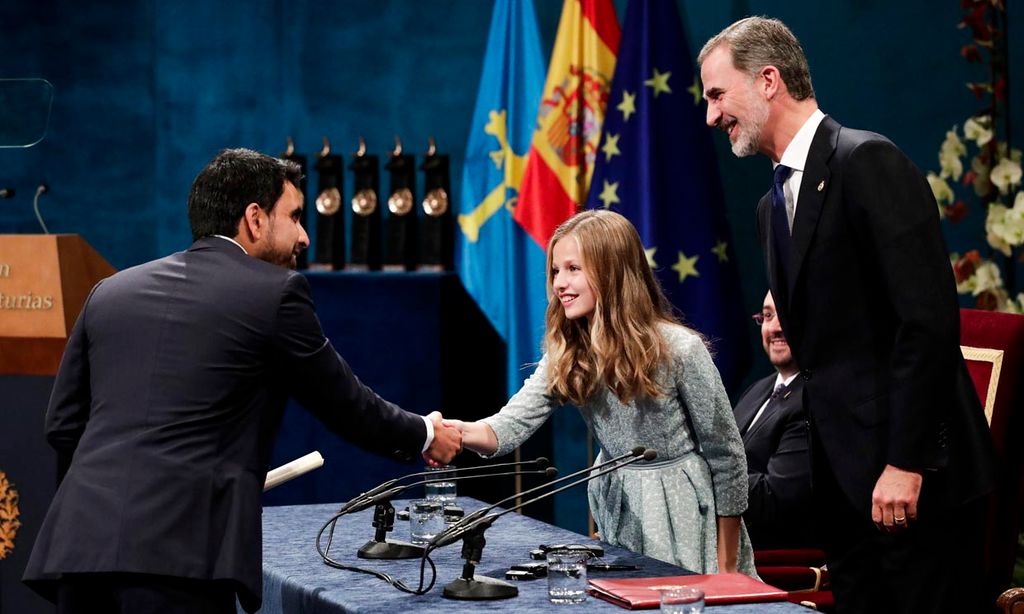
<point x="993" y="168"/>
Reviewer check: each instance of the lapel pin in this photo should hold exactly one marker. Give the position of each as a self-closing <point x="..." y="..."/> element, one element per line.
<point x="821" y="186"/>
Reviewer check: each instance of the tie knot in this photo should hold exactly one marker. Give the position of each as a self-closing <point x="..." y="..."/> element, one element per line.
<point x="781" y="174"/>
<point x="779" y="390"/>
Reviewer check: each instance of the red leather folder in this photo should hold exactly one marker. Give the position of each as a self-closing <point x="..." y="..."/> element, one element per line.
<point x="642" y="593"/>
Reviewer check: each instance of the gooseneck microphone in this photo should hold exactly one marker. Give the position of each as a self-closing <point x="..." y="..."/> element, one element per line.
<point x="540" y="461"/>
<point x="472" y="521"/>
<point x="40" y="190"/>
<point x="471" y="531"/>
<point x="636" y="452"/>
<point x="365" y="501"/>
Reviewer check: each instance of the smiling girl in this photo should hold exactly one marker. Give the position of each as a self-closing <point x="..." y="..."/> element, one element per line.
<point x="639" y="378"/>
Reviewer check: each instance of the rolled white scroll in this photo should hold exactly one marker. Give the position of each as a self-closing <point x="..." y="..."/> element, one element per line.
<point x="294" y="469"/>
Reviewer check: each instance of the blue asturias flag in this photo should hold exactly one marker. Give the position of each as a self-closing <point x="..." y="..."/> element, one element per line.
<point x="501" y="267"/>
<point x="656" y="166"/>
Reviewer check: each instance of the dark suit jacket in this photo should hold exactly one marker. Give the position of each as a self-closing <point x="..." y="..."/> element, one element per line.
<point x="169" y="395"/>
<point x="871" y="315"/>
<point x="778" y="467"/>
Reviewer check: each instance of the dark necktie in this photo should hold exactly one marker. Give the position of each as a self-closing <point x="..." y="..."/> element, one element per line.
<point x="780" y="224"/>
<point x="773" y="400"/>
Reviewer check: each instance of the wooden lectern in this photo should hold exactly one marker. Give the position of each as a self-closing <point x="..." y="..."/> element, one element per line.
<point x="44" y="281"/>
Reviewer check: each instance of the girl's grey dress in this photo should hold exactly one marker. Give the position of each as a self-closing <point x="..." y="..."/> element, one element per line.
<point x="666" y="508"/>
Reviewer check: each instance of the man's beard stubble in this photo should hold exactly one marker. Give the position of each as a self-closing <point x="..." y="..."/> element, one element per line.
<point x="746" y="143"/>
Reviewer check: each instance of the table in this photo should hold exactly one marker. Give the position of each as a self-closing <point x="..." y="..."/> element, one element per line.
<point x="295" y="580"/>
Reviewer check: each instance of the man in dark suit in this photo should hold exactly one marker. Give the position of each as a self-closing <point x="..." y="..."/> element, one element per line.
<point x="169" y="396"/>
<point x="864" y="290"/>
<point x="772" y="420"/>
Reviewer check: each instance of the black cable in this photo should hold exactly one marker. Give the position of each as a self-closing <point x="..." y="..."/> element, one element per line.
<point x="324" y="554"/>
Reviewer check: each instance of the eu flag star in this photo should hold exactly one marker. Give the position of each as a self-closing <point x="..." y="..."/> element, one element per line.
<point x="611" y="146"/>
<point x="720" y="250"/>
<point x="628" y="105"/>
<point x="650" y="257"/>
<point x="659" y="82"/>
<point x="609" y="195"/>
<point x="695" y="91"/>
<point x="686" y="267"/>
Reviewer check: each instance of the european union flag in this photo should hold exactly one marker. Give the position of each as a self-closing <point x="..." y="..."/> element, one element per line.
<point x="656" y="166"/>
<point x="502" y="268"/>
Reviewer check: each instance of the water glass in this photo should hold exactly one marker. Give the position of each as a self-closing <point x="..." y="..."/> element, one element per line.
<point x="426" y="520"/>
<point x="567" y="576"/>
<point x="440" y="485"/>
<point x="681" y="600"/>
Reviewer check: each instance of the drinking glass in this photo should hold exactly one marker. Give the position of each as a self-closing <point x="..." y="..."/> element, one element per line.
<point x="681" y="600"/>
<point x="426" y="520"/>
<point x="440" y="485"/>
<point x="567" y="576"/>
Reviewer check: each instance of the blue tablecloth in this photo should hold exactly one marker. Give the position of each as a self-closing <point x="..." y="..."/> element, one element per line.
<point x="295" y="580"/>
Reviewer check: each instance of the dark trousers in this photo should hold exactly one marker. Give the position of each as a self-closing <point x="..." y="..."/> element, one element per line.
<point x="935" y="565"/>
<point x="126" y="593"/>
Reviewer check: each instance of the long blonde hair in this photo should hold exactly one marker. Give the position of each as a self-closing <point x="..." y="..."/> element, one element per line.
<point x="618" y="346"/>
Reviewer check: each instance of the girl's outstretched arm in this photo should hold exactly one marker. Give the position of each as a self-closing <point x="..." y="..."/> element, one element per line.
<point x="476" y="436"/>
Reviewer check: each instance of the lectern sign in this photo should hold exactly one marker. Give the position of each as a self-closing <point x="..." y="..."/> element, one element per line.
<point x="44" y="281"/>
<point x="30" y="294"/>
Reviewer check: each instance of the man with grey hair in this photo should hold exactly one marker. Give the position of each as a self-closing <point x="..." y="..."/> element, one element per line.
<point x="863" y="288"/>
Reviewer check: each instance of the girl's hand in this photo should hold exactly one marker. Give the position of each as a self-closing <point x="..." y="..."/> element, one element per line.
<point x="456" y="424"/>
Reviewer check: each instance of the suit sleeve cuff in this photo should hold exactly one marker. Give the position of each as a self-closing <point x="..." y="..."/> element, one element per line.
<point x="430" y="433"/>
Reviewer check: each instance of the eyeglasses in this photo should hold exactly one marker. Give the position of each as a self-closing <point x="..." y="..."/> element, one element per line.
<point x="764" y="316"/>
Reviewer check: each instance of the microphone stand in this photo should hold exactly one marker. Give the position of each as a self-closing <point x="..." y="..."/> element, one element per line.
<point x="473" y="587"/>
<point x="379" y="547"/>
<point x="384" y="517"/>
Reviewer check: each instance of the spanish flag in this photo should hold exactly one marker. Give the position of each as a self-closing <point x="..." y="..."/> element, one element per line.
<point x="563" y="149"/>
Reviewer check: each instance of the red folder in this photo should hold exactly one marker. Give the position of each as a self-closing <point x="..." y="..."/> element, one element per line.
<point x="642" y="593"/>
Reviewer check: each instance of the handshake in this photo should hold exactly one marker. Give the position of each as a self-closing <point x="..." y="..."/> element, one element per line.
<point x="447" y="440"/>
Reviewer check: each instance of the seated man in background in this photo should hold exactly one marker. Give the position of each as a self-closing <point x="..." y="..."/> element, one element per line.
<point x="773" y="424"/>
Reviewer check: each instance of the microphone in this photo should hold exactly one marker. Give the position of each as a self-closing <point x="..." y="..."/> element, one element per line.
<point x="635" y="452"/>
<point x="476" y="520"/>
<point x="540" y="461"/>
<point x="40" y="190"/>
<point x="470" y="586"/>
<point x="383" y="495"/>
<point x="6" y="192"/>
<point x="384" y="516"/>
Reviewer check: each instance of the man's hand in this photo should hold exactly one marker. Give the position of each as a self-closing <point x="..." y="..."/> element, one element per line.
<point x="447" y="442"/>
<point x="894" y="500"/>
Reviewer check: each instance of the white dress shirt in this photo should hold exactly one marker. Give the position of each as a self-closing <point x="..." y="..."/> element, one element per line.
<point x="795" y="157"/>
<point x="778" y="380"/>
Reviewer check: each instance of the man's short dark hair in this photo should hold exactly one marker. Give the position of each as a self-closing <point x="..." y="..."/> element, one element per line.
<point x="756" y="42"/>
<point x="232" y="180"/>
